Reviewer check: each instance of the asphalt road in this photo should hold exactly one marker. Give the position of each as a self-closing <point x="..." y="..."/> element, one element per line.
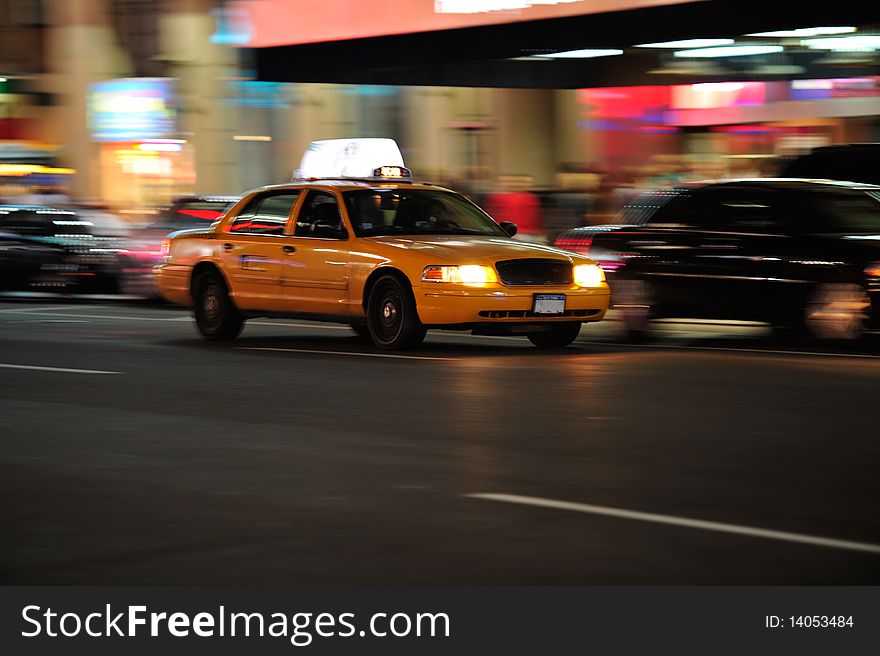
<point x="133" y="452"/>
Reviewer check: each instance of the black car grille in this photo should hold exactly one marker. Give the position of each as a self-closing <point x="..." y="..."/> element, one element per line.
<point x="534" y="272"/>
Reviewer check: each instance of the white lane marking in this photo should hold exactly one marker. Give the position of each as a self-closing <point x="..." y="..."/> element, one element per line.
<point x="102" y="316"/>
<point x="63" y="370"/>
<point x="685" y="522"/>
<point x="296" y="325"/>
<point x="43" y="321"/>
<point x="496" y="337"/>
<point x="47" y="311"/>
<point x="520" y="338"/>
<point x="736" y="350"/>
<point x="363" y="355"/>
<point x="27" y="309"/>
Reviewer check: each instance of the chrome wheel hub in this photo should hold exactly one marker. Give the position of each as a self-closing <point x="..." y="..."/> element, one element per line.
<point x="389" y="312"/>
<point x="211" y="304"/>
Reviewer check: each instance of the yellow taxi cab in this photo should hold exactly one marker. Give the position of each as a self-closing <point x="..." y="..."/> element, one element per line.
<point x="390" y="257"/>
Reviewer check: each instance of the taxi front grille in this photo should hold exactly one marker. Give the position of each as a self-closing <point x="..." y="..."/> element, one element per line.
<point x="534" y="271"/>
<point x="528" y="314"/>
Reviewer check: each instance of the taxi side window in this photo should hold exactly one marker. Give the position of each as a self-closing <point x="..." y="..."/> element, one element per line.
<point x="265" y="214"/>
<point x="319" y="217"/>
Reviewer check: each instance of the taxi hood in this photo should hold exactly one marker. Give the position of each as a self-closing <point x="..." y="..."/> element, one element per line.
<point x="465" y="249"/>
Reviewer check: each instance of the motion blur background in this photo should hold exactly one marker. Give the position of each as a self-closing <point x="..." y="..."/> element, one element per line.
<point x="127" y="104"/>
<point x="134" y="452"/>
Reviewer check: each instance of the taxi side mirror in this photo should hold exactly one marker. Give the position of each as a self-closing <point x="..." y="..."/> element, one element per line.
<point x="509" y="227"/>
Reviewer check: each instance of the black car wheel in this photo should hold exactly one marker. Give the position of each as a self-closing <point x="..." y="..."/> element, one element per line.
<point x="391" y="315"/>
<point x="558" y="335"/>
<point x="217" y="317"/>
<point x="633" y="299"/>
<point x="837" y="311"/>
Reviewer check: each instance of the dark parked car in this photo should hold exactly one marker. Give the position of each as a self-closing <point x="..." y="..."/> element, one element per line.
<point x="853" y="162"/>
<point x="52" y="249"/>
<point x="145" y="247"/>
<point x="799" y="254"/>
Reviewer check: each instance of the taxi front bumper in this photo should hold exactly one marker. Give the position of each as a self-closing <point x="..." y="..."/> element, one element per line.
<point x="504" y="304"/>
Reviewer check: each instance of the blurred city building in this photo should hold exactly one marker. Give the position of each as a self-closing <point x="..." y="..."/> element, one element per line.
<point x="134" y="102"/>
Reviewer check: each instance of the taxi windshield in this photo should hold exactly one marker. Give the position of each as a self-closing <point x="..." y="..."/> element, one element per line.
<point x="376" y="212"/>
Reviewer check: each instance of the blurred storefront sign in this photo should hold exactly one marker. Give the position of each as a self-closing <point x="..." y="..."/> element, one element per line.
<point x="258" y="94"/>
<point x="850" y="87"/>
<point x="724" y="128"/>
<point x="267" y="22"/>
<point x="142" y="161"/>
<point x="25" y="165"/>
<point x="135" y="108"/>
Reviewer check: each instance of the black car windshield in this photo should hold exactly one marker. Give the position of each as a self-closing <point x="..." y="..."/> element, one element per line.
<point x="45" y="223"/>
<point x="404" y="211"/>
<point x="854" y="211"/>
<point x="193" y="214"/>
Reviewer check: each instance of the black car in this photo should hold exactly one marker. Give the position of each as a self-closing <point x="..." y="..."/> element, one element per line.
<point x="43" y="248"/>
<point x="858" y="162"/>
<point x="145" y="245"/>
<point x="798" y="254"/>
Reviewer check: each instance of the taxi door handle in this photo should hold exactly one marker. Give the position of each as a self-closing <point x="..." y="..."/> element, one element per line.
<point x="289" y="249"/>
<point x="228" y="246"/>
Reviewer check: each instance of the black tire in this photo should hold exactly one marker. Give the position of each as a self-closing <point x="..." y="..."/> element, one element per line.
<point x="111" y="283"/>
<point x="217" y="318"/>
<point x="391" y="315"/>
<point x="837" y="312"/>
<point x="559" y="335"/>
<point x="633" y="299"/>
<point x="789" y="330"/>
<point x="361" y="330"/>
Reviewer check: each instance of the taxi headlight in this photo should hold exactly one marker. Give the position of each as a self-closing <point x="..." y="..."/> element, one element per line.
<point x="468" y="274"/>
<point x="588" y="275"/>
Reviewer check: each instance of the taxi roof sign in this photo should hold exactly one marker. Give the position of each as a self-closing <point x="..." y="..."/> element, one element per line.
<point x="350" y="158"/>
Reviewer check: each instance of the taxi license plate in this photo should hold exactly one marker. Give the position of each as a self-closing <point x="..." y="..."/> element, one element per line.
<point x="549" y="304"/>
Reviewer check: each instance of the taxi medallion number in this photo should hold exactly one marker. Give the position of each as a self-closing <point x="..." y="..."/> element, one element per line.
<point x="549" y="304"/>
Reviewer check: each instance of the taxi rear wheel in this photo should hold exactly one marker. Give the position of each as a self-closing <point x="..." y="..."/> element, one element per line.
<point x="391" y="315"/>
<point x="217" y="317"/>
<point x="558" y="335"/>
<point x="360" y="329"/>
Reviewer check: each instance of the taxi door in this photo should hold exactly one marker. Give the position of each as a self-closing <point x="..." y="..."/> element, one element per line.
<point x="253" y="249"/>
<point x="315" y="273"/>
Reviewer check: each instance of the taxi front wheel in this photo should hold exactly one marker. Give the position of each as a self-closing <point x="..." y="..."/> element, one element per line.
<point x="217" y="317"/>
<point x="391" y="315"/>
<point x="558" y="335"/>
